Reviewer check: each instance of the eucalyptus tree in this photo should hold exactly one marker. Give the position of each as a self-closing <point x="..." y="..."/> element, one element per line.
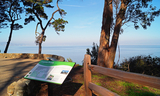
<point x="35" y="9"/>
<point x="116" y="13"/>
<point x="11" y="13"/>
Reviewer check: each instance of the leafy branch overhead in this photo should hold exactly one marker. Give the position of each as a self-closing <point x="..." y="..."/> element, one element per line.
<point x="141" y="13"/>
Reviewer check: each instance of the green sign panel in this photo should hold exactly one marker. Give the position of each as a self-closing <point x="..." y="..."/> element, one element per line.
<point x="50" y="71"/>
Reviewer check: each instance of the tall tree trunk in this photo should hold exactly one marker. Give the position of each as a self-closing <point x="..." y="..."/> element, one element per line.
<point x="9" y="38"/>
<point x="43" y="31"/>
<point x="119" y="18"/>
<point x="40" y="48"/>
<point x="40" y="41"/>
<point x="105" y="33"/>
<point x="106" y="54"/>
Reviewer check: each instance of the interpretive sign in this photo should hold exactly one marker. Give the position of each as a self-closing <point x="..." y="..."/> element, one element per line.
<point x="50" y="71"/>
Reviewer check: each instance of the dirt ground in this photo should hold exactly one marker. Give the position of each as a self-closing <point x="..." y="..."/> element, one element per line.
<point x="14" y="69"/>
<point x="72" y="86"/>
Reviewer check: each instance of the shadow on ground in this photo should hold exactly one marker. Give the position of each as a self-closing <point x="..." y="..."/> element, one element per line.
<point x="12" y="70"/>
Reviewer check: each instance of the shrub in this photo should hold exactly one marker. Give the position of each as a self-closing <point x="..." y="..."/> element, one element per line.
<point x="142" y="64"/>
<point x="93" y="53"/>
<point x="69" y="60"/>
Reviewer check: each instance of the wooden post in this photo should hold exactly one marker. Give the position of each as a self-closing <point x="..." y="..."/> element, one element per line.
<point x="50" y="89"/>
<point x="87" y="75"/>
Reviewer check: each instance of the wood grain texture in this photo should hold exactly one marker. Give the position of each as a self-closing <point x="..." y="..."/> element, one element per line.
<point x="87" y="74"/>
<point x="128" y="76"/>
<point x="101" y="90"/>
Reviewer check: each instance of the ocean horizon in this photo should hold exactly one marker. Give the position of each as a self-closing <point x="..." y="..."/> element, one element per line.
<point x="76" y="53"/>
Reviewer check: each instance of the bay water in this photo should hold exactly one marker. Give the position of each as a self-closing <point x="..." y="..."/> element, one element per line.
<point x="76" y="53"/>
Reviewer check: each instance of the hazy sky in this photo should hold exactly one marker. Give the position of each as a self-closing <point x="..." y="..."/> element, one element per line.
<point x="84" y="27"/>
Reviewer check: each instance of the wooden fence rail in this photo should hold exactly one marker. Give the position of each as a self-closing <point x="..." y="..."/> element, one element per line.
<point x="127" y="76"/>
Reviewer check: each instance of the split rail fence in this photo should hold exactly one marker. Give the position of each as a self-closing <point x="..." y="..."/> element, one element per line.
<point x="126" y="76"/>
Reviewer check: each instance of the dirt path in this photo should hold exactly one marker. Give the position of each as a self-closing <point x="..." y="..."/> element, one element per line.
<point x="12" y="70"/>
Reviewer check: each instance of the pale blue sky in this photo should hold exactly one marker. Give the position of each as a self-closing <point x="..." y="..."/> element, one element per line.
<point x="84" y="27"/>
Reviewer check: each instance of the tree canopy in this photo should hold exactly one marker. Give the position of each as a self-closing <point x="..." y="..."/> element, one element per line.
<point x="3" y="15"/>
<point x="116" y="13"/>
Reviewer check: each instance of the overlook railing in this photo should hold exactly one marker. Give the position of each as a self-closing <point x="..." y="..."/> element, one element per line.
<point x="126" y="76"/>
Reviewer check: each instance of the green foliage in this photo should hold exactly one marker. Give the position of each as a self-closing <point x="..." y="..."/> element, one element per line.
<point x="3" y="16"/>
<point x="134" y="89"/>
<point x="62" y="12"/>
<point x="145" y="88"/>
<point x="69" y="60"/>
<point x="10" y="11"/>
<point x="141" y="12"/>
<point x="17" y="26"/>
<point x="36" y="7"/>
<point x="143" y="64"/>
<point x="29" y="19"/>
<point x="137" y="92"/>
<point x="125" y="84"/>
<point x="122" y="88"/>
<point x="98" y="83"/>
<point x="99" y="77"/>
<point x="95" y="76"/>
<point x="59" y="24"/>
<point x="93" y="53"/>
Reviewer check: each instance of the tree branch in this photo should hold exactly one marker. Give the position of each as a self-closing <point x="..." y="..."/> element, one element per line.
<point x="10" y="12"/>
<point x="52" y="15"/>
<point x="40" y="21"/>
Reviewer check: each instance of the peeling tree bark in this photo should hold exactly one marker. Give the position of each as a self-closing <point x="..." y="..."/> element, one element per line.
<point x="105" y="33"/>
<point x="106" y="54"/>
